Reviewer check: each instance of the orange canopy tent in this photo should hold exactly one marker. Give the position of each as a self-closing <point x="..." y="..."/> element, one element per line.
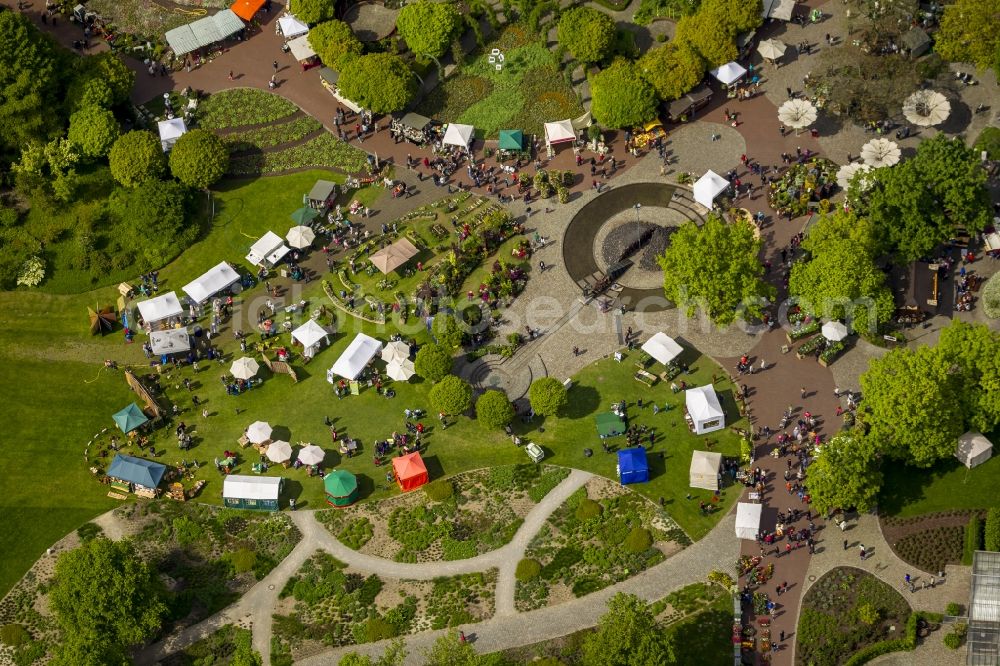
<point x="247" y="9"/>
<point x="410" y="471"/>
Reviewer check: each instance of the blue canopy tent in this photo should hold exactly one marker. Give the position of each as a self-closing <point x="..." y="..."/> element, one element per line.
<point x="632" y="466"/>
<point x="130" y="418"/>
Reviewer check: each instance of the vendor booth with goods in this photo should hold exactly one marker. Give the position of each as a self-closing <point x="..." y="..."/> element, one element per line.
<point x="410" y="471"/>
<point x="748" y="520"/>
<point x="411" y="127"/>
<point x="352" y="362"/>
<point x="219" y="278"/>
<point x="252" y="492"/>
<point x="705" y="468"/>
<point x="160" y="310"/>
<point x="135" y="475"/>
<point x="703" y="412"/>
<point x="633" y="466"/>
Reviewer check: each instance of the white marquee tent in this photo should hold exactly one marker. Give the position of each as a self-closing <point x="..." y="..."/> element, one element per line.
<point x="160" y="308"/>
<point x="310" y="334"/>
<point x="301" y="49"/>
<point x="729" y="73"/>
<point x="779" y="9"/>
<point x="705" y="466"/>
<point x="172" y="341"/>
<point x="704" y="409"/>
<point x="170" y="130"/>
<point x="662" y="347"/>
<point x="458" y="135"/>
<point x="268" y="250"/>
<point x="973" y="449"/>
<point x="291" y="27"/>
<point x="559" y="132"/>
<point x="362" y="349"/>
<point x="747" y="520"/>
<point x="242" y="487"/>
<point x="708" y="187"/>
<point x="212" y="282"/>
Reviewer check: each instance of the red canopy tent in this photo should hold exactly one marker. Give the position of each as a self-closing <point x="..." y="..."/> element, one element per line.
<point x="410" y="471"/>
<point x="247" y="9"/>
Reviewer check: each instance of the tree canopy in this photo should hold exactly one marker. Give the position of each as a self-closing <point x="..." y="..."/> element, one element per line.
<point x="673" y="69"/>
<point x="313" y="11"/>
<point x="450" y="650"/>
<point x="627" y="635"/>
<point x="433" y="362"/>
<point x="547" y="396"/>
<point x="335" y="43"/>
<point x="451" y="395"/>
<point x="715" y="267"/>
<point x="429" y="27"/>
<point x="713" y="39"/>
<point x="100" y="80"/>
<point x="968" y="33"/>
<point x="150" y="220"/>
<point x="494" y="410"/>
<point x="588" y="33"/>
<point x="380" y="82"/>
<point x="106" y="599"/>
<point x="839" y="279"/>
<point x="199" y="158"/>
<point x="972" y="349"/>
<point x="846" y="473"/>
<point x="621" y="97"/>
<point x="863" y="86"/>
<point x="93" y="130"/>
<point x="136" y="157"/>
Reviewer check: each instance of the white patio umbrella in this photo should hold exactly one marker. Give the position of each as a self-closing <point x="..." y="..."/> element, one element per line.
<point x="244" y="368"/>
<point x="311" y="455"/>
<point x="279" y="451"/>
<point x="300" y="237"/>
<point x="259" y="432"/>
<point x="400" y="370"/>
<point x="771" y="49"/>
<point x="925" y="108"/>
<point x="797" y="113"/>
<point x="834" y="331"/>
<point x="846" y="173"/>
<point x="397" y="350"/>
<point x="879" y="153"/>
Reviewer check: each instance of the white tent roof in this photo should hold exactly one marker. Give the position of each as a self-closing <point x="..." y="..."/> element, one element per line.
<point x="171" y="341"/>
<point x="170" y="131"/>
<point x="211" y="282"/>
<point x="160" y="308"/>
<point x="269" y="245"/>
<point x="361" y="350"/>
<point x="834" y="330"/>
<point x="705" y="467"/>
<point x="708" y="187"/>
<point x="458" y="135"/>
<point x="971" y="446"/>
<point x="291" y="27"/>
<point x="747" y="520"/>
<point x="309" y="333"/>
<point x="779" y="9"/>
<point x="237" y="486"/>
<point x="559" y="132"/>
<point x="301" y="49"/>
<point x="662" y="347"/>
<point x="702" y="403"/>
<point x="729" y="72"/>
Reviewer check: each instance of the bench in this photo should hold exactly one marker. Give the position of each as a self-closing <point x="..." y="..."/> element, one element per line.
<point x="646" y="378"/>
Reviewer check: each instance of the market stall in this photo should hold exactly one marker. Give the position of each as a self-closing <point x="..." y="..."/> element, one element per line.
<point x="322" y="195"/>
<point x="704" y="472"/>
<point x="159" y="309"/>
<point x="393" y="256"/>
<point x="662" y="347"/>
<point x="135" y="475"/>
<point x="268" y="250"/>
<point x="130" y="418"/>
<point x="170" y="130"/>
<point x="559" y="132"/>
<point x="633" y="466"/>
<point x="748" y="520"/>
<point x="708" y="187"/>
<point x="683" y="109"/>
<point x="290" y="27"/>
<point x="648" y="133"/>
<point x="171" y="341"/>
<point x="219" y="278"/>
<point x="247" y="9"/>
<point x="456" y="134"/>
<point x="410" y="471"/>
<point x="310" y="335"/>
<point x="204" y="32"/>
<point x="330" y="80"/>
<point x="609" y="424"/>
<point x="729" y="73"/>
<point x="341" y="488"/>
<point x="302" y="51"/>
<point x="354" y="359"/>
<point x="412" y="127"/>
<point x="704" y="413"/>
<point x="252" y="492"/>
<point x="511" y="143"/>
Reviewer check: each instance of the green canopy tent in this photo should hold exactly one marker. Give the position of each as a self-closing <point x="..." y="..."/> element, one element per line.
<point x="609" y="425"/>
<point x="511" y="140"/>
<point x="303" y="216"/>
<point x="341" y="488"/>
<point x="130" y="418"/>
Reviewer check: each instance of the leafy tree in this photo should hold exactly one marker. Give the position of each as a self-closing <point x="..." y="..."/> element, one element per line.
<point x="494" y="410"/>
<point x="106" y="599"/>
<point x="621" y="97"/>
<point x="199" y="159"/>
<point x="149" y="220"/>
<point x="673" y="69"/>
<point x="100" y="80"/>
<point x="335" y="43"/>
<point x="313" y="11"/>
<point x="136" y="157"/>
<point x="88" y="91"/>
<point x="715" y="267"/>
<point x="955" y="176"/>
<point x="971" y="349"/>
<point x="840" y="279"/>
<point x="451" y="395"/>
<point x="846" y="473"/>
<point x="433" y="362"/>
<point x="863" y="86"/>
<point x="94" y="130"/>
<point x="429" y="27"/>
<point x="380" y="82"/>
<point x="710" y="37"/>
<point x="547" y="396"/>
<point x="589" y="34"/>
<point x="913" y="405"/>
<point x="450" y="650"/>
<point x="627" y="635"/>
<point x="448" y="332"/>
<point x="968" y="33"/>
<point x="394" y="655"/>
<point x="741" y="15"/>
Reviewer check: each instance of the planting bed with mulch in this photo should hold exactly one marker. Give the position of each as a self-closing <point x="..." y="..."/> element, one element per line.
<point x="930" y="541"/>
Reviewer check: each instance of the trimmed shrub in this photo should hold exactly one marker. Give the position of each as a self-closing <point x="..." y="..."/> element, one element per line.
<point x="991" y="536"/>
<point x="953" y="609"/>
<point x="588" y="509"/>
<point x="954" y="641"/>
<point x="638" y="540"/>
<point x="439" y="491"/>
<point x="241" y="560"/>
<point x="973" y="539"/>
<point x="527" y="569"/>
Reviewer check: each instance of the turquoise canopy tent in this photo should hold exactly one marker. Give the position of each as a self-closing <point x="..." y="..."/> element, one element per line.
<point x="304" y="215"/>
<point x="130" y="418"/>
<point x="609" y="425"/>
<point x="511" y="140"/>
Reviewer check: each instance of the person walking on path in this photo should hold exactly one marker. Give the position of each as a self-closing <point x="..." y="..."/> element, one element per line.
<point x="275" y="65"/>
<point x="845" y="544"/>
<point x="802" y="392"/>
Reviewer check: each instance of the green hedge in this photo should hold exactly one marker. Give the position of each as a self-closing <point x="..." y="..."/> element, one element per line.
<point x="992" y="533"/>
<point x="905" y="644"/>
<point x="973" y="539"/>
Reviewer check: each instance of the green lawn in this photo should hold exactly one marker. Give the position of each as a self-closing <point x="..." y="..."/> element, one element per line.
<point x="908" y="491"/>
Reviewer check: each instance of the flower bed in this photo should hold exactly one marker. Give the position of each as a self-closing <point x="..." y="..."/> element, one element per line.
<point x="242" y="106"/>
<point x="810" y="347"/>
<point x="832" y="351"/>
<point x="262" y="138"/>
<point x="800" y="184"/>
<point x="323" y="151"/>
<point x="803" y="331"/>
